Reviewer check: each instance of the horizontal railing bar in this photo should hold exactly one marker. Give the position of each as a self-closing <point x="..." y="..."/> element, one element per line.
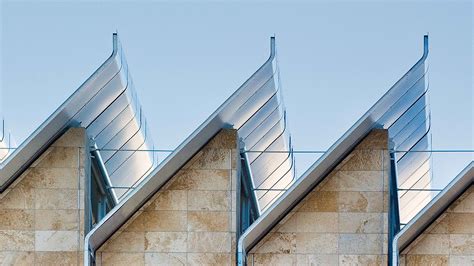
<point x="120" y="187"/>
<point x="418" y="189"/>
<point x="270" y="189"/>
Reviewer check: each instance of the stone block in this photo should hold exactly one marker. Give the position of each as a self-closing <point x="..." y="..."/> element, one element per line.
<point x="208" y="221"/>
<point x="165" y="241"/>
<point x="17" y="258"/>
<point x="169" y="200"/>
<point x="318" y="222"/>
<point x="360" y="244"/>
<point x="16" y="240"/>
<point x="368" y="260"/>
<point x="57" y="220"/>
<point x="274" y="259"/>
<point x="416" y="260"/>
<point x="56" y="241"/>
<point x="209" y="200"/>
<point x="278" y="243"/>
<point x="57" y="258"/>
<point x="316" y="243"/>
<point x="16" y="219"/>
<point x="55" y="199"/>
<point x="122" y="259"/>
<point x="60" y="157"/>
<point x="125" y="242"/>
<point x="195" y="179"/>
<point x="209" y="242"/>
<point x="209" y="259"/>
<point x="165" y="259"/>
<point x="164" y="221"/>
<point x="210" y="158"/>
<point x="361" y="222"/>
<point x="360" y="201"/>
<point x="320" y="201"/>
<point x="431" y="244"/>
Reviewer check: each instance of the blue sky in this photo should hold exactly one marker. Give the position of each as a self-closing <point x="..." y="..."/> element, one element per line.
<point x="336" y="60"/>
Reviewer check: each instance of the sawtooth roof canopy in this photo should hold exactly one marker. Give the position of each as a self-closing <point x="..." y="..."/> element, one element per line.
<point x="107" y="106"/>
<point x="432" y="211"/>
<point x="256" y="111"/>
<point x="404" y="112"/>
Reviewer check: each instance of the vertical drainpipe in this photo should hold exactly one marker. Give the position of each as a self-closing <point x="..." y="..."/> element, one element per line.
<point x="394" y="215"/>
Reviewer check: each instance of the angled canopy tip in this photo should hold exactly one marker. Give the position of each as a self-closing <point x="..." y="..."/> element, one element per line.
<point x="425" y="45"/>
<point x="115" y="42"/>
<point x="272" y="46"/>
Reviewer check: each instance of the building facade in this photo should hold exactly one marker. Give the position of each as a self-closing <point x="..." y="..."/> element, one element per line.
<point x="87" y="188"/>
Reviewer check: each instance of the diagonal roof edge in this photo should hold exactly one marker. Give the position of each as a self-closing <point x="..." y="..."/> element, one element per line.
<point x="55" y="125"/>
<point x="432" y="211"/>
<point x="101" y="105"/>
<point x="223" y="117"/>
<point x="322" y="167"/>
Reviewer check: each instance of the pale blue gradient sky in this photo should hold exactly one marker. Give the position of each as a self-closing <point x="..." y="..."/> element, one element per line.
<point x="336" y="60"/>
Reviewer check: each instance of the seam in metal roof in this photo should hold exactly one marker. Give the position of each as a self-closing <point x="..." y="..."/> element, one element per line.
<point x="432" y="211"/>
<point x="256" y="111"/>
<point x="393" y="111"/>
<point x="107" y="106"/>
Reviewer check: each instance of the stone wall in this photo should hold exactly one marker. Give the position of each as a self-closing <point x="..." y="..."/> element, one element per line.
<point x="191" y="220"/>
<point x="42" y="212"/>
<point x="342" y="221"/>
<point x="449" y="240"/>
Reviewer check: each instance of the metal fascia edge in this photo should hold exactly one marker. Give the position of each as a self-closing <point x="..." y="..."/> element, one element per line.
<point x="317" y="171"/>
<point x="432" y="211"/>
<point x="156" y="179"/>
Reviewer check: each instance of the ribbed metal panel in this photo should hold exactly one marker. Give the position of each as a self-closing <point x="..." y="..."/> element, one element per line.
<point x="256" y="111"/>
<point x="107" y="106"/>
<point x="262" y="127"/>
<point x="404" y="112"/>
<point x="408" y="122"/>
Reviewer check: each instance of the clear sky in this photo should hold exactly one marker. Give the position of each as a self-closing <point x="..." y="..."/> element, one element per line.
<point x="336" y="60"/>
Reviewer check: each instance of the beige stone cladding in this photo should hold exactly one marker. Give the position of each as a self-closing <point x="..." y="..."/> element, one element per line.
<point x="447" y="241"/>
<point x="343" y="221"/>
<point x="191" y="220"/>
<point x="41" y="213"/>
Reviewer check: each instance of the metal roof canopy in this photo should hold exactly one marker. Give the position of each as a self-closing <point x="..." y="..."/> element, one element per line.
<point x="256" y="111"/>
<point x="107" y="106"/>
<point x="394" y="111"/>
<point x="432" y="211"/>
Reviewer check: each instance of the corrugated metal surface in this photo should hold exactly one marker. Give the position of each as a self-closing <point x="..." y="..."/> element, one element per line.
<point x="257" y="112"/>
<point x="107" y="106"/>
<point x="402" y="110"/>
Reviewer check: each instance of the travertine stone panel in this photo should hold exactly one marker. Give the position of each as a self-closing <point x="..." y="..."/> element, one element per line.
<point x="41" y="221"/>
<point x="17" y="258"/>
<point x="447" y="241"/>
<point x="191" y="220"/>
<point x="342" y="221"/>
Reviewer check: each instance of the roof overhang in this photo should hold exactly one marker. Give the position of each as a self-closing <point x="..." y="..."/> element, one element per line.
<point x="256" y="111"/>
<point x="107" y="106"/>
<point x="432" y="211"/>
<point x="385" y="113"/>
